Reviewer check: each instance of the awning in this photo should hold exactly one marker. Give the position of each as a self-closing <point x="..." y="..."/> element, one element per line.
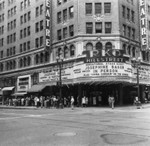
<point x="36" y="88"/>
<point x="8" y="88"/>
<point x="19" y="94"/>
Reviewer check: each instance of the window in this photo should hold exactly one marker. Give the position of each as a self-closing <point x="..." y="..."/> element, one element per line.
<point x="107" y="7"/>
<point x="37" y="12"/>
<point x="88" y="8"/>
<point x="66" y="51"/>
<point x="59" y="34"/>
<point x="21" y="19"/>
<point x="65" y="15"/>
<point x="123" y="12"/>
<point x="98" y="27"/>
<point x="21" y="5"/>
<point x="128" y="13"/>
<point x="41" y="25"/>
<point x="71" y="12"/>
<point x="124" y="30"/>
<point x="21" y="48"/>
<point x="24" y="46"/>
<point x="98" y="8"/>
<point x="59" y="17"/>
<point x="89" y="27"/>
<point x="89" y="46"/>
<point x="41" y="41"/>
<point x="25" y="18"/>
<point x="37" y="42"/>
<point x="132" y="16"/>
<point x="108" y="46"/>
<point x="28" y="45"/>
<point x="14" y="36"/>
<point x="59" y="2"/>
<point x="41" y="9"/>
<point x="129" y="31"/>
<point x="133" y="33"/>
<point x="15" y="23"/>
<point x="108" y="27"/>
<point x="28" y="30"/>
<point x="72" y="50"/>
<point x="71" y="30"/>
<point x="25" y="32"/>
<point x="29" y="16"/>
<point x="37" y="27"/>
<point x="65" y="32"/>
<point x="21" y="34"/>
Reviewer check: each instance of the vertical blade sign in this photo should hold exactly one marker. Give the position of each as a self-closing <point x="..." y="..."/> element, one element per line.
<point x="48" y="25"/>
<point x="143" y="24"/>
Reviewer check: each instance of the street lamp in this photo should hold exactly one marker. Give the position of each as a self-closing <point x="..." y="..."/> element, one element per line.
<point x="59" y="83"/>
<point x="136" y="63"/>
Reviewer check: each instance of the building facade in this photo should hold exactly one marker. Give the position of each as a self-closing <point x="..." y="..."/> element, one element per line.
<point x="94" y="40"/>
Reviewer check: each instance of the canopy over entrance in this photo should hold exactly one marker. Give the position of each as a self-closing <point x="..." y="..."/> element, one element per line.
<point x="8" y="88"/>
<point x="36" y="88"/>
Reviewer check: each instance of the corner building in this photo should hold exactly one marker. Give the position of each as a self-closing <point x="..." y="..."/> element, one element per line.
<point x="95" y="39"/>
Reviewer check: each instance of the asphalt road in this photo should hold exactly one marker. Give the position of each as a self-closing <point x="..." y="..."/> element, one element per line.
<point x="78" y="127"/>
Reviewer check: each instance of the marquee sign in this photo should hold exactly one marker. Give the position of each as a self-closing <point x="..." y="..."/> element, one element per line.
<point x="143" y="23"/>
<point x="48" y="25"/>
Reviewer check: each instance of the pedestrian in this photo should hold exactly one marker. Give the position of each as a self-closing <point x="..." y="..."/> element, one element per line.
<point x="72" y="102"/>
<point x="83" y="101"/>
<point x="111" y="101"/>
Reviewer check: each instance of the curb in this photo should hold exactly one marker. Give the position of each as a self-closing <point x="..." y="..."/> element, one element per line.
<point x="12" y="107"/>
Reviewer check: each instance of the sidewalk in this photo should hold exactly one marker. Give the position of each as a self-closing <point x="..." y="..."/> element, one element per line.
<point x="124" y="107"/>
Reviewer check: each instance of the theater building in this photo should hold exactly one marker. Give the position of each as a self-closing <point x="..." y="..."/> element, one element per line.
<point x="95" y="41"/>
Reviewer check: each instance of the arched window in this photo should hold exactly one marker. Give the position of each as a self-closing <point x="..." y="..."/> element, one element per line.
<point x="21" y="62"/>
<point x="59" y="52"/>
<point x="66" y="52"/>
<point x="29" y="61"/>
<point x="36" y="59"/>
<point x="1" y="67"/>
<point x="99" y="48"/>
<point x="11" y="65"/>
<point x="147" y="55"/>
<point x="89" y="46"/>
<point x="46" y="57"/>
<point x="133" y="51"/>
<point x="72" y="50"/>
<point x="8" y="66"/>
<point x="129" y="50"/>
<point x="108" y="46"/>
<point x="124" y="48"/>
<point x="41" y="58"/>
<point x="14" y="64"/>
<point x="25" y="61"/>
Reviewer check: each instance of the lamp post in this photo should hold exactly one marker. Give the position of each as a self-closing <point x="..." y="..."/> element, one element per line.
<point x="59" y="83"/>
<point x="136" y="63"/>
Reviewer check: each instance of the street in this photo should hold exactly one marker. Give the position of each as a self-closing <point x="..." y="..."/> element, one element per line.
<point x="79" y="127"/>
